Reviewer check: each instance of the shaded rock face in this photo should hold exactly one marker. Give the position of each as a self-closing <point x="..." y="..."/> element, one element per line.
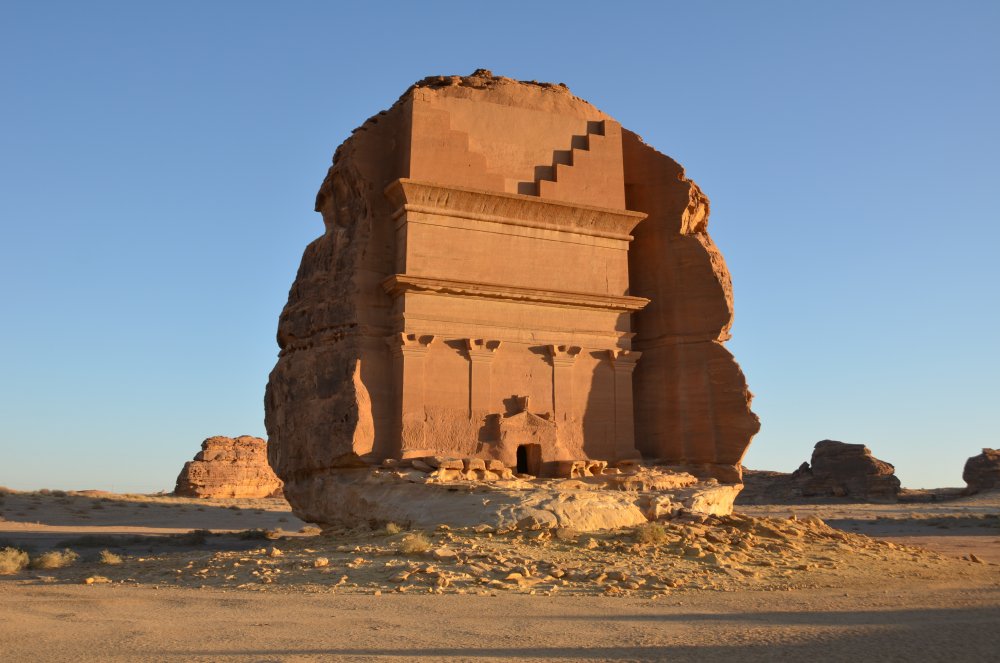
<point x="838" y="470"/>
<point x="505" y="273"/>
<point x="982" y="472"/>
<point x="229" y="467"/>
<point x="849" y="470"/>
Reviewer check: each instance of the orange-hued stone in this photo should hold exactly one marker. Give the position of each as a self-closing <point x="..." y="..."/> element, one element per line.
<point x="229" y="467"/>
<point x="506" y="274"/>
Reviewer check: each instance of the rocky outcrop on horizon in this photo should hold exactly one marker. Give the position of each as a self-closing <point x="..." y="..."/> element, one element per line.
<point x="229" y="467"/>
<point x="982" y="472"/>
<point x="837" y="470"/>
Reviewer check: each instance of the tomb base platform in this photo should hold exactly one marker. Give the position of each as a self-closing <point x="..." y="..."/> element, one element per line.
<point x="417" y="498"/>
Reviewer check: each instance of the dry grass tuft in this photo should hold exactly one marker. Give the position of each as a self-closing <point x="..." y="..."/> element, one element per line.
<point x="108" y="557"/>
<point x="650" y="534"/>
<point x="252" y="534"/>
<point x="392" y="528"/>
<point x="414" y="544"/>
<point x="196" y="537"/>
<point x="12" y="561"/>
<point x="54" y="559"/>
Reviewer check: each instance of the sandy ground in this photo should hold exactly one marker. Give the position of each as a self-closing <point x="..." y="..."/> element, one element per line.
<point x="255" y="585"/>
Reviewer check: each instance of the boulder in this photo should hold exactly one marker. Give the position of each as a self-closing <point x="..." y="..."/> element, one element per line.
<point x="839" y="469"/>
<point x="229" y="468"/>
<point x="982" y="472"/>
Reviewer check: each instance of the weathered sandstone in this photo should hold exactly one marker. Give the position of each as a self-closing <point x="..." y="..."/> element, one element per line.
<point x="506" y="274"/>
<point x="838" y="470"/>
<point x="229" y="467"/>
<point x="982" y="472"/>
<point x="408" y="495"/>
<point x="850" y="470"/>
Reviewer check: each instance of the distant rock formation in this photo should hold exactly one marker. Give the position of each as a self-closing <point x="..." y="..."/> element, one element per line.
<point x="838" y="470"/>
<point x="228" y="467"/>
<point x="982" y="472"/>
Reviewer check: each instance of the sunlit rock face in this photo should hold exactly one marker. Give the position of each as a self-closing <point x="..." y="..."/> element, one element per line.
<point x="506" y="273"/>
<point x="229" y="467"/>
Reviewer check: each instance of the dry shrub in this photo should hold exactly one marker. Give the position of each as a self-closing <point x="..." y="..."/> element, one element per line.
<point x="12" y="561"/>
<point x="108" y="557"/>
<point x="414" y="544"/>
<point x="650" y="534"/>
<point x="54" y="559"/>
<point x="196" y="537"/>
<point x="252" y="534"/>
<point x="392" y="528"/>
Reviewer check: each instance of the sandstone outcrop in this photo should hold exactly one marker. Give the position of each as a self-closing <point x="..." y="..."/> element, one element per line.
<point x="229" y="467"/>
<point x="838" y="470"/>
<point x="982" y="472"/>
<point x="850" y="470"/>
<point x="414" y="494"/>
<point x="505" y="274"/>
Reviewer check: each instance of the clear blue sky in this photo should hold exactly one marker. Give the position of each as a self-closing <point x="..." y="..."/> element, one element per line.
<point x="159" y="161"/>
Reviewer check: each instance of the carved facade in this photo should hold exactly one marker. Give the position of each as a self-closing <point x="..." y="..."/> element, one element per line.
<point x="511" y="326"/>
<point x="506" y="274"/>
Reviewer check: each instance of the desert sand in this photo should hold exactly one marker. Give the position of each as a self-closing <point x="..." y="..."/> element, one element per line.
<point x="217" y="579"/>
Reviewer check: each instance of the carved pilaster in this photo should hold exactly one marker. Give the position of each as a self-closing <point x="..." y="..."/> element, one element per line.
<point x="481" y="352"/>
<point x="409" y="352"/>
<point x="623" y="364"/>
<point x="563" y="357"/>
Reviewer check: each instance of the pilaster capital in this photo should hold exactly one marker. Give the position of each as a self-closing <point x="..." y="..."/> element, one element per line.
<point x="623" y="360"/>
<point x="481" y="349"/>
<point x="409" y="344"/>
<point x="563" y="355"/>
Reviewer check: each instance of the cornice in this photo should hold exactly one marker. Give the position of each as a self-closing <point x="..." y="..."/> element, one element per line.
<point x="400" y="283"/>
<point x="510" y="208"/>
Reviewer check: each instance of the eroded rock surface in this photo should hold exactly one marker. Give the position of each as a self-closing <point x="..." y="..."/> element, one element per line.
<point x="982" y="472"/>
<point x="418" y="495"/>
<point x="444" y="311"/>
<point x="838" y="470"/>
<point x="229" y="467"/>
